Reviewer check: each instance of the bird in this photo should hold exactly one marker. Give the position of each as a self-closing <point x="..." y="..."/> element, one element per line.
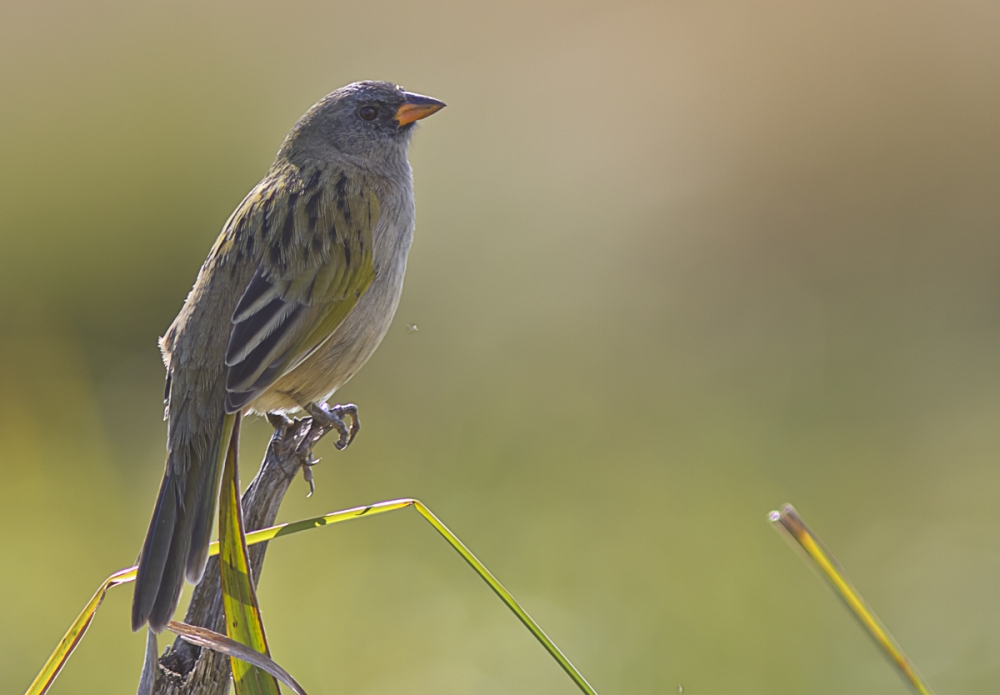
<point x="294" y="297"/>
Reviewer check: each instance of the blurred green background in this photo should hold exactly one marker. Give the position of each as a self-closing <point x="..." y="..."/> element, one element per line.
<point x="676" y="264"/>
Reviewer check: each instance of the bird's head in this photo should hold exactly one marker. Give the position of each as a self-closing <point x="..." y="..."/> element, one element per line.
<point x="369" y="123"/>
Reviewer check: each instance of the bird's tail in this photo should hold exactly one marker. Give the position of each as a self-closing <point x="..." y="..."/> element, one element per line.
<point x="176" y="544"/>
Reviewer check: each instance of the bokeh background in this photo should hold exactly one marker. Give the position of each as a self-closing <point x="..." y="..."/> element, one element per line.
<point x="676" y="263"/>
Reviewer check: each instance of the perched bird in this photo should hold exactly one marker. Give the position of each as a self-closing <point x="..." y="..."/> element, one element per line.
<point x="296" y="294"/>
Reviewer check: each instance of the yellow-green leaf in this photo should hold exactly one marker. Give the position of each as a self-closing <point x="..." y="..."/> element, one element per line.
<point x="243" y="621"/>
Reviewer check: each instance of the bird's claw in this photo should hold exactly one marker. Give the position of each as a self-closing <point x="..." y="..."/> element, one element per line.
<point x="307" y="473"/>
<point x="332" y="417"/>
<point x="300" y="435"/>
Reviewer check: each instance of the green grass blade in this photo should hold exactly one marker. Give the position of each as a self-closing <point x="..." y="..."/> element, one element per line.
<point x="789" y="521"/>
<point x="506" y="597"/>
<point x="453" y="540"/>
<point x="243" y="621"/>
<point x="76" y="631"/>
<point x="43" y="681"/>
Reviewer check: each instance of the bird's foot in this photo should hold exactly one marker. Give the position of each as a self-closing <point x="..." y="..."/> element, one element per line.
<point x="296" y="438"/>
<point x="332" y="417"/>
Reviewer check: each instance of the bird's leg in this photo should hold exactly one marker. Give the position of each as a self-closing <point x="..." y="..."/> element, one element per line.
<point x="333" y="417"/>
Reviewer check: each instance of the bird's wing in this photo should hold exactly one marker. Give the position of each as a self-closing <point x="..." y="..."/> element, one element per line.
<point x="316" y="263"/>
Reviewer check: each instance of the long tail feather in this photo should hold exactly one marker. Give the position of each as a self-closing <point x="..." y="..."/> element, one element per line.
<point x="155" y="552"/>
<point x="179" y="532"/>
<point x="201" y="529"/>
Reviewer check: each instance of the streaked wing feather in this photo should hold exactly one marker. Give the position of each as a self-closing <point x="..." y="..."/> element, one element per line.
<point x="295" y="301"/>
<point x="269" y="344"/>
<point x="258" y="326"/>
<point x="258" y="293"/>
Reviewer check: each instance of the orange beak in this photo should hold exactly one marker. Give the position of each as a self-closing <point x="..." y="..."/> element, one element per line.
<point x="416" y="107"/>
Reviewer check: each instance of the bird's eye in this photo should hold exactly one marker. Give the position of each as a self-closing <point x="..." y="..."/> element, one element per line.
<point x="369" y="113"/>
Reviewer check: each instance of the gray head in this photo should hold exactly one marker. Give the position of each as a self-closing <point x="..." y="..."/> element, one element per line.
<point x="367" y="123"/>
